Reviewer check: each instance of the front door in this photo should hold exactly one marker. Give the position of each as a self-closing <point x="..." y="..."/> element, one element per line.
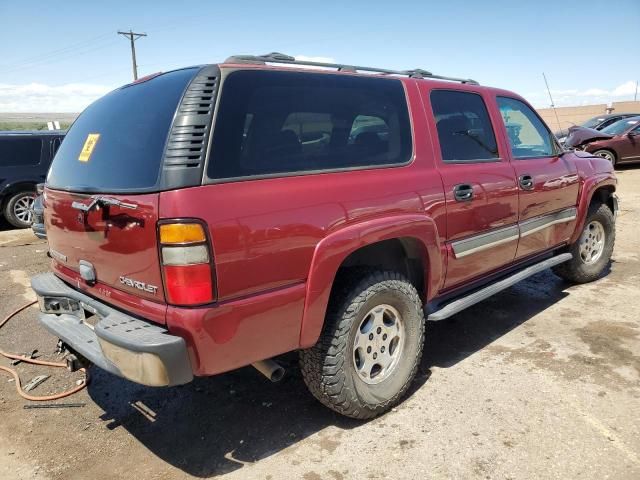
<point x="628" y="145"/>
<point x="547" y="181"/>
<point x="480" y="187"/>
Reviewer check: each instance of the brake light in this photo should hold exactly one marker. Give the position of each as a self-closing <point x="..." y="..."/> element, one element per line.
<point x="186" y="263"/>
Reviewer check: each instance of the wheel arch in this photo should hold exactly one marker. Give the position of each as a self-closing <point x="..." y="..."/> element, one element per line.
<point x="609" y="149"/>
<point x="410" y="242"/>
<point x="11" y="189"/>
<point x="600" y="189"/>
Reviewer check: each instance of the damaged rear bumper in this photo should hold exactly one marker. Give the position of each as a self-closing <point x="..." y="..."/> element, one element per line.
<point x="116" y="342"/>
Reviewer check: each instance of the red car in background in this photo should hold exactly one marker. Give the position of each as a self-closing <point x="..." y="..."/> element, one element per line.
<point x="618" y="143"/>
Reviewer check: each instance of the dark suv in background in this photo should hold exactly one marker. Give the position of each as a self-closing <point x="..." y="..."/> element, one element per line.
<point x="24" y="160"/>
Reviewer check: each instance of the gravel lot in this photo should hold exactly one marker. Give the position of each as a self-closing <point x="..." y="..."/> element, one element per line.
<point x="540" y="381"/>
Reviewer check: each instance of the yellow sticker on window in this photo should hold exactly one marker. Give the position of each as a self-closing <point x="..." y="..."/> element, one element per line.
<point x="89" y="145"/>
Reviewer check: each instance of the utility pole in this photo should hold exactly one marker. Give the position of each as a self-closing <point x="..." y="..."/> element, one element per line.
<point x="133" y="36"/>
<point x="551" y="98"/>
<point x="635" y="96"/>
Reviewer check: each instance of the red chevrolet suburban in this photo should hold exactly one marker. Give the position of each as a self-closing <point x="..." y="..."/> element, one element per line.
<point x="214" y="217"/>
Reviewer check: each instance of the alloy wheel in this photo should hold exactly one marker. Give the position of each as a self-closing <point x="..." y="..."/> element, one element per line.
<point x="378" y="344"/>
<point x="592" y="242"/>
<point x="23" y="208"/>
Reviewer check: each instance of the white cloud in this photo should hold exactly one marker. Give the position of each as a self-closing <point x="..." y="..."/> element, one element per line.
<point x="589" y="96"/>
<point x="38" y="97"/>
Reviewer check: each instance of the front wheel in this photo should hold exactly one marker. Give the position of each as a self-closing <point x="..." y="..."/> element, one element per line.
<point x="607" y="155"/>
<point x="370" y="347"/>
<point x="592" y="252"/>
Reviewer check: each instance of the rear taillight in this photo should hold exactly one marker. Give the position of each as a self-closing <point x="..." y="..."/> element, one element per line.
<point x="186" y="263"/>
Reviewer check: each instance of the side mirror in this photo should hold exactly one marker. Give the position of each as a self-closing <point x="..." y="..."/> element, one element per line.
<point x="633" y="133"/>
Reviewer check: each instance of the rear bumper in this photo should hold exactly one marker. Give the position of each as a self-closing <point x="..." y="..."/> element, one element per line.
<point x="126" y="346"/>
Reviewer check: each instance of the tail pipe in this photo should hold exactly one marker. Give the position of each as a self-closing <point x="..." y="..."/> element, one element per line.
<point x="270" y="369"/>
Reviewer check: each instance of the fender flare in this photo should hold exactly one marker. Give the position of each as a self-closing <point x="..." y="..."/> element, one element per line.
<point x="332" y="250"/>
<point x="586" y="195"/>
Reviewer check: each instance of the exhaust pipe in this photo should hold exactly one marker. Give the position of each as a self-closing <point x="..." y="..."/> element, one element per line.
<point x="269" y="369"/>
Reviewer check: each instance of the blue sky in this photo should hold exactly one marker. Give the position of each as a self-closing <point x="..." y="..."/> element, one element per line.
<point x="59" y="56"/>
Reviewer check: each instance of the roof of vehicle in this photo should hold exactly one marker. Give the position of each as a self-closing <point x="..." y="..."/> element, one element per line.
<point x="635" y="118"/>
<point x="33" y="133"/>
<point x="613" y="115"/>
<point x="281" y="62"/>
<point x="282" y="59"/>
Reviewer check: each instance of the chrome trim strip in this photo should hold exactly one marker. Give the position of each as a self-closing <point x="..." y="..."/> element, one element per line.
<point x="534" y="225"/>
<point x="484" y="241"/>
<point x="478" y="243"/>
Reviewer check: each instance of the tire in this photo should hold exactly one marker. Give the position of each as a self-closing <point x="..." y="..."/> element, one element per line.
<point x="587" y="266"/>
<point x="17" y="209"/>
<point x="608" y="155"/>
<point x="338" y="373"/>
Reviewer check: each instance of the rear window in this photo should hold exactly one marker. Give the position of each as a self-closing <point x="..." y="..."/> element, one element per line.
<point x="273" y="123"/>
<point x="16" y="152"/>
<point x="117" y="143"/>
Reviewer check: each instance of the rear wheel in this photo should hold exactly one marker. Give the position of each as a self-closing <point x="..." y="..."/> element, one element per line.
<point x="592" y="252"/>
<point x="370" y="347"/>
<point x="607" y="155"/>
<point x="18" y="209"/>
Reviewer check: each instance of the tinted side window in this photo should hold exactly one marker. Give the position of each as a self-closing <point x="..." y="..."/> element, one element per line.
<point x="464" y="128"/>
<point x="55" y="145"/>
<point x="16" y="152"/>
<point x="285" y="122"/>
<point x="606" y="123"/>
<point x="528" y="136"/>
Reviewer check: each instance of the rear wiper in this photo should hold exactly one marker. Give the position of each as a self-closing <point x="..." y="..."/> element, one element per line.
<point x="101" y="201"/>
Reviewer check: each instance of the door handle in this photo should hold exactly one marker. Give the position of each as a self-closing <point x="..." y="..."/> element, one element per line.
<point x="463" y="192"/>
<point x="526" y="182"/>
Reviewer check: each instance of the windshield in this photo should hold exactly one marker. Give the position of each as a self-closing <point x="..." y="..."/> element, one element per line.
<point x="116" y="144"/>
<point x="621" y="126"/>
<point x="594" y="122"/>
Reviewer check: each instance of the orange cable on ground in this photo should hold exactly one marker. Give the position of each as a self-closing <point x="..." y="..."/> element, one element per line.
<point x="25" y="359"/>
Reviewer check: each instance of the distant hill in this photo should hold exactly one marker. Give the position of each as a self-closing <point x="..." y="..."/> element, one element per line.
<point x="34" y="121"/>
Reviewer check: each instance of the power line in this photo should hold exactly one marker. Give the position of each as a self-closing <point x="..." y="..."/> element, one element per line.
<point x="133" y="36"/>
<point x="27" y="61"/>
<point x="54" y="60"/>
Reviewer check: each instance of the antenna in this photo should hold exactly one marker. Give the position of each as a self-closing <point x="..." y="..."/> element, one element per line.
<point x="551" y="98"/>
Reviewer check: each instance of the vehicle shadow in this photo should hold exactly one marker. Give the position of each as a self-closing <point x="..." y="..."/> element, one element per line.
<point x="216" y="425"/>
<point x="4" y="225"/>
<point x="450" y="341"/>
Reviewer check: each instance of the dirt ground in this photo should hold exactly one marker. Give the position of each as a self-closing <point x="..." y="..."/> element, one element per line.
<point x="540" y="381"/>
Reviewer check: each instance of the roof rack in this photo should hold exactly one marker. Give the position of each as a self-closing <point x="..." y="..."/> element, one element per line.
<point x="276" y="57"/>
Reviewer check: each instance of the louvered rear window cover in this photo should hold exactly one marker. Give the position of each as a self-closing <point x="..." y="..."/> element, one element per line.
<point x="187" y="143"/>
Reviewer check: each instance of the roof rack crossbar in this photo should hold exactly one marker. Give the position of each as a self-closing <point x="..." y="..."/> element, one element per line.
<point x="276" y="57"/>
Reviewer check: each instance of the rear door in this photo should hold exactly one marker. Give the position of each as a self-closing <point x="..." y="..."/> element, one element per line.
<point x="479" y="183"/>
<point x="101" y="197"/>
<point x="547" y="181"/>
